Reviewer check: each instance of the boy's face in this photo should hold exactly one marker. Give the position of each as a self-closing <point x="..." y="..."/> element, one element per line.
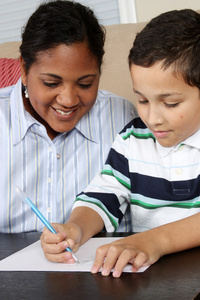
<point x="168" y="106"/>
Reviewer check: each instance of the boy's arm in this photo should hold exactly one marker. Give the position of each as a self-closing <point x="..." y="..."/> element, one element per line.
<point x="83" y="223"/>
<point x="88" y="220"/>
<point x="180" y="235"/>
<point x="145" y="248"/>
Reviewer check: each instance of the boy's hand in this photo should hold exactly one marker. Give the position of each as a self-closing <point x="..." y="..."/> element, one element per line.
<point x="145" y="248"/>
<point x="138" y="250"/>
<point x="54" y="245"/>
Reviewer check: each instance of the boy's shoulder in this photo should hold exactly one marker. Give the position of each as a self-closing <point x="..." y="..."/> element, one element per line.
<point x="137" y="129"/>
<point x="135" y="124"/>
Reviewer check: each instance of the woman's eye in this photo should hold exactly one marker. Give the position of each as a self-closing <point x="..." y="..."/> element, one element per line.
<point x="51" y="84"/>
<point x="85" y="86"/>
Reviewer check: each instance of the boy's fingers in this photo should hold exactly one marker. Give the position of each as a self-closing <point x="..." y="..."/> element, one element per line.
<point x="64" y="257"/>
<point x="51" y="238"/>
<point x="125" y="257"/>
<point x="117" y="257"/>
<point x="109" y="256"/>
<point x="54" y="248"/>
<point x="140" y="260"/>
<point x="112" y="257"/>
<point x="69" y="243"/>
<point x="99" y="259"/>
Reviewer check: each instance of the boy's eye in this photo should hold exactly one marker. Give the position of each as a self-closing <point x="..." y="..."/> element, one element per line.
<point x="171" y="104"/>
<point x="142" y="101"/>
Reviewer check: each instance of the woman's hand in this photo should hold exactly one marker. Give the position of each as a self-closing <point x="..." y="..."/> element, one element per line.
<point x="139" y="250"/>
<point x="54" y="245"/>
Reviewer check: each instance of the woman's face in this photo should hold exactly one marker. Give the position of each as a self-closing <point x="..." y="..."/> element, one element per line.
<point x="62" y="86"/>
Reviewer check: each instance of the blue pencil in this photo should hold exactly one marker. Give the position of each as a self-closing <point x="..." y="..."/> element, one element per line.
<point x="25" y="198"/>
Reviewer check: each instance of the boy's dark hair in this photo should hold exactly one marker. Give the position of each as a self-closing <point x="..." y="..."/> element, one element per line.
<point x="174" y="38"/>
<point x="61" y="22"/>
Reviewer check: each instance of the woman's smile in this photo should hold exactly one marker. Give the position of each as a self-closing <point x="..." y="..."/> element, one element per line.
<point x="63" y="112"/>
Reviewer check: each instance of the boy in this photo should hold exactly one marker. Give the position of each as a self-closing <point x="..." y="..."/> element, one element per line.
<point x="154" y="163"/>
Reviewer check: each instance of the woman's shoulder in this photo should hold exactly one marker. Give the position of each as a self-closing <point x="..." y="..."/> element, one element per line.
<point x="6" y="92"/>
<point x="104" y="95"/>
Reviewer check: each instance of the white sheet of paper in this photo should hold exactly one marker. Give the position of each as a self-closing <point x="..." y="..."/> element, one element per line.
<point x="32" y="258"/>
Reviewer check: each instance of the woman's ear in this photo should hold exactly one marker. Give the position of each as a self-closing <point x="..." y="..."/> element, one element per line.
<point x="23" y="71"/>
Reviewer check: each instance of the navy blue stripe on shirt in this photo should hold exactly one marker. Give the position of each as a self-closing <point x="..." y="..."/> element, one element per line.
<point x="136" y="123"/>
<point x="159" y="188"/>
<point x="118" y="162"/>
<point x="110" y="201"/>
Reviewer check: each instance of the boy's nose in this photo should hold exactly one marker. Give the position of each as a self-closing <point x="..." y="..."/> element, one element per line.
<point x="154" y="117"/>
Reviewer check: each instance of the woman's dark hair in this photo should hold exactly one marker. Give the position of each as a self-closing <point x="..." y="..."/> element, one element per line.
<point x="173" y="38"/>
<point x="61" y="22"/>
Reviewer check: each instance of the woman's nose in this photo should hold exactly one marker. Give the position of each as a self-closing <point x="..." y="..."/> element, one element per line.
<point x="68" y="97"/>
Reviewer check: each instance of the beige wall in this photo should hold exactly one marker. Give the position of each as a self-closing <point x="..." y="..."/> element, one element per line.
<point x="148" y="9"/>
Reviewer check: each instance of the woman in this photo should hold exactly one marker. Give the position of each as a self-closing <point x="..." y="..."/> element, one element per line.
<point x="56" y="126"/>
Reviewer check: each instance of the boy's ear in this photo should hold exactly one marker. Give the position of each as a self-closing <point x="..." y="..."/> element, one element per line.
<point x="23" y="71"/>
